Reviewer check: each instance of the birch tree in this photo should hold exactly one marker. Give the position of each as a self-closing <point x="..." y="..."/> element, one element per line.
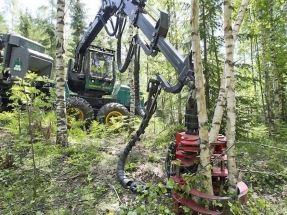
<point x="225" y="82"/>
<point x="227" y="90"/>
<point x="62" y="137"/>
<point x="200" y="97"/>
<point x="231" y="103"/>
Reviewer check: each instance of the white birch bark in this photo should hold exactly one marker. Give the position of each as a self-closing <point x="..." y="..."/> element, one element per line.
<point x="231" y="103"/>
<point x="62" y="137"/>
<point x="239" y="18"/>
<point x="221" y="102"/>
<point x="200" y="98"/>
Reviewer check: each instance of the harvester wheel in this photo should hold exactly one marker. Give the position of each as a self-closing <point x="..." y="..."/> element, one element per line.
<point x="79" y="110"/>
<point x="113" y="115"/>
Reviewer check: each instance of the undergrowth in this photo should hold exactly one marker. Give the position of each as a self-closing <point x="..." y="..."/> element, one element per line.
<point x="39" y="177"/>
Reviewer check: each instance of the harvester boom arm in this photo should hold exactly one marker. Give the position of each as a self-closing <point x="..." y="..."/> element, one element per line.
<point x="155" y="32"/>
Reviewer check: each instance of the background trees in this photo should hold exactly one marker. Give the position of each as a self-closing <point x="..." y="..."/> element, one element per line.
<point x="260" y="67"/>
<point x="259" y="58"/>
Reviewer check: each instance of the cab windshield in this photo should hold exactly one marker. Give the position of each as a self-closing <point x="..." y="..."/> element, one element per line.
<point x="102" y="65"/>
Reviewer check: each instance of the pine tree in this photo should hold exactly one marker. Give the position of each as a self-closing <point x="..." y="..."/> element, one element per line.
<point x="78" y="25"/>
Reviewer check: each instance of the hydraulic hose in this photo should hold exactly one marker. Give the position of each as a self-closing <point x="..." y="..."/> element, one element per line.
<point x="139" y="108"/>
<point x="123" y="67"/>
<point x="121" y="25"/>
<point x="117" y="31"/>
<point x="114" y="28"/>
<point x="124" y="180"/>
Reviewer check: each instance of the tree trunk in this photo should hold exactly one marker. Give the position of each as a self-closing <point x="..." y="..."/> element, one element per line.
<point x="266" y="76"/>
<point x="274" y="69"/>
<point x="62" y="137"/>
<point x="260" y="76"/>
<point x="200" y="97"/>
<point x="218" y="113"/>
<point x="231" y="103"/>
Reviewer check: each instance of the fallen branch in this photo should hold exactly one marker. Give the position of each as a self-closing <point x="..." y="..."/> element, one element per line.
<point x="117" y="194"/>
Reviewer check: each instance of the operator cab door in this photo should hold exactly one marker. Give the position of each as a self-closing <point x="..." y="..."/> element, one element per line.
<point x="102" y="66"/>
<point x="99" y="70"/>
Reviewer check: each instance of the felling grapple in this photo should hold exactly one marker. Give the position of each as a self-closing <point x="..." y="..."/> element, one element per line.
<point x="184" y="159"/>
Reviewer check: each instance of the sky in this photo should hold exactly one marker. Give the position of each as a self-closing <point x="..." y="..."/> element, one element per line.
<point x="92" y="6"/>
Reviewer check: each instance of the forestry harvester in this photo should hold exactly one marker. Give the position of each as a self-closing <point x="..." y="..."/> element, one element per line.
<point x="186" y="147"/>
<point x="84" y="89"/>
<point x="18" y="55"/>
<point x="91" y="75"/>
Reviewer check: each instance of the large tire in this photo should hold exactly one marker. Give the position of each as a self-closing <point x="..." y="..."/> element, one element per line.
<point x="80" y="110"/>
<point x="114" y="115"/>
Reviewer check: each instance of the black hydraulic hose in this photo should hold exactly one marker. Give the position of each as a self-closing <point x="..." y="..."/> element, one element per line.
<point x="124" y="180"/>
<point x="123" y="67"/>
<point x="122" y="24"/>
<point x="139" y="108"/>
<point x="114" y="28"/>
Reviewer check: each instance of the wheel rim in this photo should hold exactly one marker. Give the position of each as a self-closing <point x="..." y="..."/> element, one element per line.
<point x="75" y="113"/>
<point x="114" y="117"/>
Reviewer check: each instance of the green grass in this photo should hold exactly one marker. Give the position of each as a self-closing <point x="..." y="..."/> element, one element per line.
<point x="81" y="179"/>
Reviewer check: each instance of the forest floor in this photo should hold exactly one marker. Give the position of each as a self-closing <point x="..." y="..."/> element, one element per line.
<point x="81" y="179"/>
